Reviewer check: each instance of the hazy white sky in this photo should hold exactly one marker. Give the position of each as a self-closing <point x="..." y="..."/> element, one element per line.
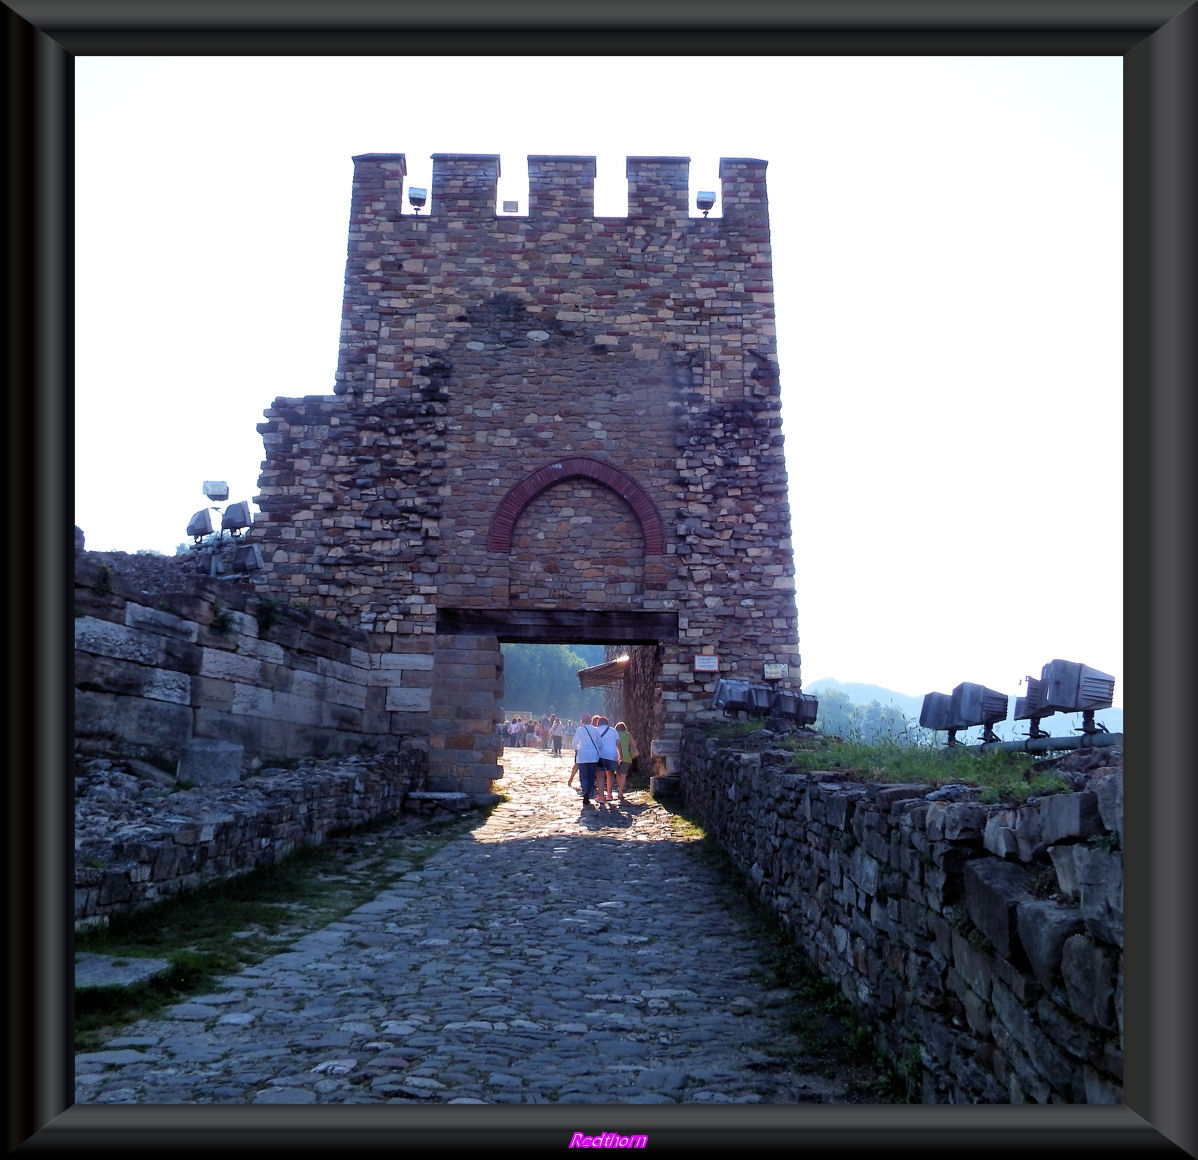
<point x="947" y="243"/>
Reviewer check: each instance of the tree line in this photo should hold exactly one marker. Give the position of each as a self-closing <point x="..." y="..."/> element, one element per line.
<point x="543" y="678"/>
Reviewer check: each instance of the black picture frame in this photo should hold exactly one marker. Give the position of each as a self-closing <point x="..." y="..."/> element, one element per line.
<point x="1158" y="41"/>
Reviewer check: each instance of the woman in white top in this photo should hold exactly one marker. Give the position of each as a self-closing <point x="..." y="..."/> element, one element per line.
<point x="609" y="760"/>
<point x="589" y="743"/>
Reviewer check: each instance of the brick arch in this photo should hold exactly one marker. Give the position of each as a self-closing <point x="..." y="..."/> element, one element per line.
<point x="499" y="537"/>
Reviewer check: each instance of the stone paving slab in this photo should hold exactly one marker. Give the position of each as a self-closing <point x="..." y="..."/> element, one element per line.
<point x="94" y="971"/>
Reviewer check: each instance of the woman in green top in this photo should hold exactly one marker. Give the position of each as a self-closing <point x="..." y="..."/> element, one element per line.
<point x="628" y="751"/>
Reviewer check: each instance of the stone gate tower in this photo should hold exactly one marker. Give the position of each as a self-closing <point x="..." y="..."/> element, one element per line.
<point x="553" y="427"/>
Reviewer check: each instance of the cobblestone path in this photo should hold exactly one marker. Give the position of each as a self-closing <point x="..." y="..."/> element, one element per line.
<point x="555" y="953"/>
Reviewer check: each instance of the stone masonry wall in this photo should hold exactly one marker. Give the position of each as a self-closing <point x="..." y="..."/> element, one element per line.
<point x="982" y="943"/>
<point x="137" y="843"/>
<point x="184" y="658"/>
<point x="628" y="366"/>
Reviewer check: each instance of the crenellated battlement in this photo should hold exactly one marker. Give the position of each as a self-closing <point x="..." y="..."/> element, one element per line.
<point x="561" y="187"/>
<point x="466" y="185"/>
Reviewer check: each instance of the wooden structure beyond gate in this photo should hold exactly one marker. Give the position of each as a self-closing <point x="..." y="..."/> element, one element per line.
<point x="545" y="427"/>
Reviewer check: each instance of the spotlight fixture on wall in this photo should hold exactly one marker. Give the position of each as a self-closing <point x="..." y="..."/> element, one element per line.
<point x="802" y="708"/>
<point x="200" y="525"/>
<point x="248" y="558"/>
<point x="967" y="705"/>
<point x="236" y="517"/>
<point x="232" y="519"/>
<point x="705" y="200"/>
<point x="732" y="696"/>
<point x="417" y="197"/>
<point x="737" y="697"/>
<point x="977" y="705"/>
<point x="1033" y="708"/>
<point x="1069" y="687"/>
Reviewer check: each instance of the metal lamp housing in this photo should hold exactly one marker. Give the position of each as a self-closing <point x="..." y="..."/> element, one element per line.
<point x="1075" y="688"/>
<point x="237" y="516"/>
<point x="200" y="524"/>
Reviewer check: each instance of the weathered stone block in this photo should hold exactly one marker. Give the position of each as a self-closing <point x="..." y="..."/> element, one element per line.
<point x="1043" y="927"/>
<point x="1064" y="862"/>
<point x="1014" y="833"/>
<point x="1109" y="792"/>
<point x="993" y="890"/>
<point x="230" y="666"/>
<point x="408" y="700"/>
<point x="1100" y="891"/>
<point x="105" y="638"/>
<point x="864" y="871"/>
<point x="210" y="762"/>
<point x="132" y="724"/>
<point x="1067" y="817"/>
<point x="154" y="620"/>
<point x="956" y="821"/>
<point x="163" y="685"/>
<point x="1089" y="972"/>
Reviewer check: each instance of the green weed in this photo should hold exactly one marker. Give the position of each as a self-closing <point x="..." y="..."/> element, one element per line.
<point x="222" y="618"/>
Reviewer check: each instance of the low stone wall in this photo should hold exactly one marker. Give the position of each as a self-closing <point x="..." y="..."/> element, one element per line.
<point x="165" y="656"/>
<point x="982" y="943"/>
<point x="137" y="843"/>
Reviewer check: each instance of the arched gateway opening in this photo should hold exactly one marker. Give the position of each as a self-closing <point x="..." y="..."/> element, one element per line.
<point x="549" y="428"/>
<point x="577" y="529"/>
<point x="631" y="685"/>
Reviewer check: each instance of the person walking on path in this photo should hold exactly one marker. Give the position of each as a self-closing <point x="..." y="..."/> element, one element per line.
<point x="628" y="751"/>
<point x="557" y="731"/>
<point x="609" y="759"/>
<point x="587" y="753"/>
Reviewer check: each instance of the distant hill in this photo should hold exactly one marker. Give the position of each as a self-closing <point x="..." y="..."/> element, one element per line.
<point x="1059" y="724"/>
<point x="863" y="694"/>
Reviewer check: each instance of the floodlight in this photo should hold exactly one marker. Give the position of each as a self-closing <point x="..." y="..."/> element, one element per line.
<point x="216" y="489"/>
<point x="417" y="197"/>
<point x="731" y="696"/>
<point x="704" y="200"/>
<point x="1033" y="708"/>
<point x="801" y="708"/>
<point x="1075" y="688"/>
<point x="200" y="525"/>
<point x="237" y="516"/>
<point x="977" y="705"/>
<point x="247" y="558"/>
<point x="937" y="712"/>
<point x="967" y="705"/>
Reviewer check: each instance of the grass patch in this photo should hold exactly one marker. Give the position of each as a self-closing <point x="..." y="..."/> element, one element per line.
<point x="1006" y="777"/>
<point x="222" y="928"/>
